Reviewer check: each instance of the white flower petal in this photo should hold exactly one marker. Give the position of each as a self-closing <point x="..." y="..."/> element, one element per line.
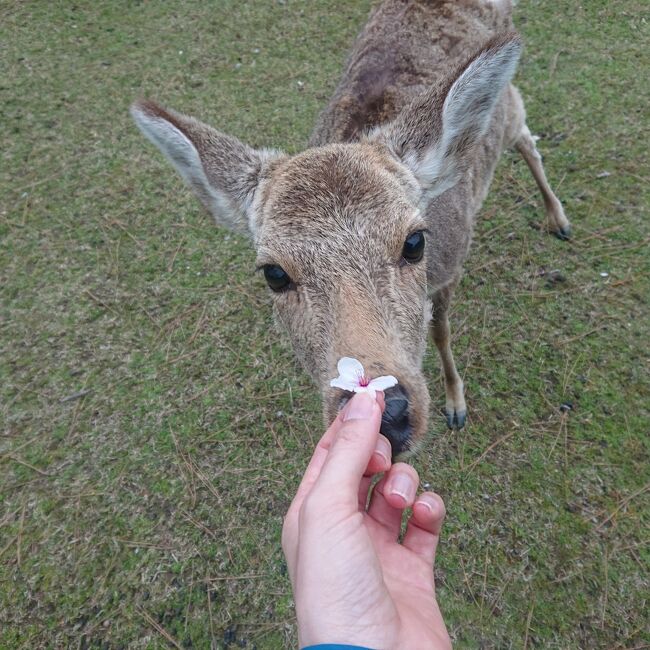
<point x="382" y="383"/>
<point x="344" y="383"/>
<point x="366" y="389"/>
<point x="350" y="368"/>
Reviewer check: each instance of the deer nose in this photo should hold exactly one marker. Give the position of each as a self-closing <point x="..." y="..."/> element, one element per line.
<point x="395" y="423"/>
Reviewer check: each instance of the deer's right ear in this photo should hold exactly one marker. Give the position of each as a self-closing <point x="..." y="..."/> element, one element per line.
<point x="223" y="172"/>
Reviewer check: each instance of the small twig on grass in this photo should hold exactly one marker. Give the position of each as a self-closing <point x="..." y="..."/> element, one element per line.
<point x="197" y="329"/>
<point x="270" y="395"/>
<point x="278" y="441"/>
<point x="473" y="464"/>
<point x="99" y="301"/>
<point x="584" y="335"/>
<point x="211" y="619"/>
<point x="26" y="464"/>
<point x="194" y="471"/>
<point x="244" y="576"/>
<point x="469" y="588"/>
<point x="8" y="545"/>
<point x="189" y="600"/>
<point x="621" y="645"/>
<point x="611" y="248"/>
<point x="78" y="395"/>
<point x="600" y="234"/>
<point x="183" y="356"/>
<point x="77" y="408"/>
<point x="173" y="321"/>
<point x="221" y="380"/>
<point x="561" y="429"/>
<point x="553" y="66"/>
<point x="19" y="538"/>
<point x="604" y="609"/>
<point x="491" y="262"/>
<point x="134" y="543"/>
<point x="483" y="593"/>
<point x="198" y="524"/>
<point x="635" y="545"/>
<point x="119" y="224"/>
<point x="199" y="323"/>
<point x="528" y="620"/>
<point x="159" y="628"/>
<point x="27" y="388"/>
<point x="622" y="505"/>
<point x="497" y="598"/>
<point x="170" y="266"/>
<point x="190" y="475"/>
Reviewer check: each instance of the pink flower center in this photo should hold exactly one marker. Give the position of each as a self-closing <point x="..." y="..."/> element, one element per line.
<point x="363" y="381"/>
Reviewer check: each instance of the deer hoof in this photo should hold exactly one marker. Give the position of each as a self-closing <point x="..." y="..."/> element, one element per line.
<point x="563" y="233"/>
<point x="456" y="419"/>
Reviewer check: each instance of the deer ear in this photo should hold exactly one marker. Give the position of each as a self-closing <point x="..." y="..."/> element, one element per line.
<point x="436" y="134"/>
<point x="223" y="172"/>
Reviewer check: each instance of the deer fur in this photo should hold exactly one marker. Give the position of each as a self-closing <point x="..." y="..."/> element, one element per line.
<point x="409" y="142"/>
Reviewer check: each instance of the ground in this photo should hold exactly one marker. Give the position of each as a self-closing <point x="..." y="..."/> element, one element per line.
<point x="154" y="422"/>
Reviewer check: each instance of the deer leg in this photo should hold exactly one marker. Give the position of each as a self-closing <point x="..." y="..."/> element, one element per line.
<point x="556" y="220"/>
<point x="455" y="407"/>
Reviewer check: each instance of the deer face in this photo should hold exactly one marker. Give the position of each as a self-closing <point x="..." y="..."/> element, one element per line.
<point x="342" y="244"/>
<point x="340" y="231"/>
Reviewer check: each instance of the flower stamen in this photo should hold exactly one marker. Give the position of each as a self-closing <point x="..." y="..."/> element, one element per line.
<point x="352" y="377"/>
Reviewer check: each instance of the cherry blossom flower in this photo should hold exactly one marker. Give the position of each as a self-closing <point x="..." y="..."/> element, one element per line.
<point x="352" y="377"/>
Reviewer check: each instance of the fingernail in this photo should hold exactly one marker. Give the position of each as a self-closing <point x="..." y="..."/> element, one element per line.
<point x="429" y="502"/>
<point x="402" y="486"/>
<point x="360" y="407"/>
<point x="424" y="503"/>
<point x="383" y="451"/>
<point x="380" y="460"/>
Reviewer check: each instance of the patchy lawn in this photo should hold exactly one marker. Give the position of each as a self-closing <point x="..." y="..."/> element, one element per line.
<point x="154" y="423"/>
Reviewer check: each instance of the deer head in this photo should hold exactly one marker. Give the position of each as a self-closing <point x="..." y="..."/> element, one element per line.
<point x="342" y="232"/>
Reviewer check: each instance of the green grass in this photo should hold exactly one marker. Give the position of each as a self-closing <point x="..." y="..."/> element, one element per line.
<point x="155" y="501"/>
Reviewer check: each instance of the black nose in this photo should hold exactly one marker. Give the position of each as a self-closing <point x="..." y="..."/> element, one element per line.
<point x="395" y="424"/>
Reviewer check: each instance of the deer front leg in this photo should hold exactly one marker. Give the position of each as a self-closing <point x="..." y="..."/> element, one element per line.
<point x="455" y="407"/>
<point x="557" y="222"/>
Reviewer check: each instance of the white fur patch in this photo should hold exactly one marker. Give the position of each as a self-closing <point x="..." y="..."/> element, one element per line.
<point x="466" y="112"/>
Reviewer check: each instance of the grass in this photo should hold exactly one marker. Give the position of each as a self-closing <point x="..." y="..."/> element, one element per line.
<point x="155" y="424"/>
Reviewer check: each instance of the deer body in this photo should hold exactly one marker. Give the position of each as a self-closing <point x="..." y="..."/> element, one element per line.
<point x="362" y="236"/>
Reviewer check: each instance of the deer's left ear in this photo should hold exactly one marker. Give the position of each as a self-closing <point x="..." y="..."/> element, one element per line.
<point x="435" y="135"/>
<point x="223" y="172"/>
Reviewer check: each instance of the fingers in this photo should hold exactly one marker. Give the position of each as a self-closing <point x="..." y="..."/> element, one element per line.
<point x="351" y="450"/>
<point x="379" y="462"/>
<point x="395" y="492"/>
<point x="423" y="531"/>
<point x="381" y="457"/>
<point x="364" y="487"/>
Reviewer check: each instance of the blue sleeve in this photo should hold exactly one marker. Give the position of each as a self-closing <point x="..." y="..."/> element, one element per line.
<point x="335" y="646"/>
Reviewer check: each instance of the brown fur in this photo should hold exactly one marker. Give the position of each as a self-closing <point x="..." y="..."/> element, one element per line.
<point x="409" y="142"/>
<point x="405" y="48"/>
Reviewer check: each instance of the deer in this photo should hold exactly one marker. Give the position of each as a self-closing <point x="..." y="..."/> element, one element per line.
<point x="362" y="236"/>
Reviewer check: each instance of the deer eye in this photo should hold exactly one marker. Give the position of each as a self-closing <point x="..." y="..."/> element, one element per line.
<point x="413" y="250"/>
<point x="277" y="277"/>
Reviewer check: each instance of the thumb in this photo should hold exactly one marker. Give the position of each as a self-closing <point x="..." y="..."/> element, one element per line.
<point x="351" y="449"/>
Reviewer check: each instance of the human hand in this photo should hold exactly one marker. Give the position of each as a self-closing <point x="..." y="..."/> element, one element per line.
<point x="353" y="583"/>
